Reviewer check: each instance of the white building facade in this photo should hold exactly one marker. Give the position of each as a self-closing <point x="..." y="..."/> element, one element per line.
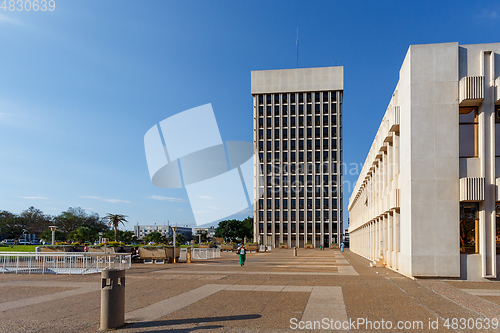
<point x="425" y="203"/>
<point x="298" y="166"/>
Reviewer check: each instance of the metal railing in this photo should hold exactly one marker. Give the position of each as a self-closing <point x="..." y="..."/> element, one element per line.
<point x="62" y="262"/>
<point x="201" y="253"/>
<point x="205" y="253"/>
<point x="265" y="248"/>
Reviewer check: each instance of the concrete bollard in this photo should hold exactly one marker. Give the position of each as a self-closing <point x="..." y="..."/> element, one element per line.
<point x="112" y="299"/>
<point x="188" y="255"/>
<point x="295" y="251"/>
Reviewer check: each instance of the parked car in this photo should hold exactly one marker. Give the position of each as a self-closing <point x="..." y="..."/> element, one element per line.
<point x="23" y="242"/>
<point x="35" y="242"/>
<point x="7" y="242"/>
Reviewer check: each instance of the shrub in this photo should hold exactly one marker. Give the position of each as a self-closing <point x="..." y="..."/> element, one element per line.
<point x="155" y="246"/>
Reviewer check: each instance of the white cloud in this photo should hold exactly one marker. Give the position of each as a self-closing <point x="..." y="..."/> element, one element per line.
<point x="115" y="200"/>
<point x="489" y="14"/>
<point x="103" y="199"/>
<point x="206" y="197"/>
<point x="9" y="20"/>
<point x="35" y="198"/>
<point x="159" y="197"/>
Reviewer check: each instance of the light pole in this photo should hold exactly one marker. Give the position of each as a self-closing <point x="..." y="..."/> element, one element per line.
<point x="174" y="229"/>
<point x="53" y="228"/>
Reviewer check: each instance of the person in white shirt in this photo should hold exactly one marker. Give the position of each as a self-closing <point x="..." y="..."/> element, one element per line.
<point x="242" y="253"/>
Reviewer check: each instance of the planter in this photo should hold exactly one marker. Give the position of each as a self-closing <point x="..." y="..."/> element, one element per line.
<point x="203" y="246"/>
<point x="60" y="248"/>
<point x="169" y="251"/>
<point x="120" y="249"/>
<point x="252" y="248"/>
<point x="96" y="249"/>
<point x="283" y="246"/>
<point x="308" y="246"/>
<point x="334" y="246"/>
<point x="152" y="253"/>
<point x="228" y="247"/>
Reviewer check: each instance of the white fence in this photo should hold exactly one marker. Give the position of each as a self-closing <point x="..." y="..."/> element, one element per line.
<point x="62" y="262"/>
<point x="201" y="253"/>
<point x="265" y="248"/>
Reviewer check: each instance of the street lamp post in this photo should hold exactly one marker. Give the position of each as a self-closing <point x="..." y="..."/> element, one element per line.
<point x="175" y="232"/>
<point x="53" y="228"/>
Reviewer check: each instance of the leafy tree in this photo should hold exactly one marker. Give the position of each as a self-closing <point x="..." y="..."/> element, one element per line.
<point x="203" y="237"/>
<point x="72" y="219"/>
<point x="246" y="229"/>
<point x="114" y="221"/>
<point x="180" y="239"/>
<point x="229" y="230"/>
<point x="234" y="230"/>
<point x="82" y="235"/>
<point x="127" y="237"/>
<point x="10" y="227"/>
<point x="155" y="237"/>
<point x="34" y="220"/>
<point x="68" y="222"/>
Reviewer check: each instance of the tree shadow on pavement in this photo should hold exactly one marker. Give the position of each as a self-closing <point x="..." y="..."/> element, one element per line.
<point x="202" y="320"/>
<point x="185" y="330"/>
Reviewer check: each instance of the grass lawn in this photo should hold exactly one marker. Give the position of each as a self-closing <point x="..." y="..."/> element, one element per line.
<point x="18" y="248"/>
<point x="184" y="246"/>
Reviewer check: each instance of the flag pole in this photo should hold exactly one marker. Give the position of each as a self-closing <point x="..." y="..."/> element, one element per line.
<point x="297" y="47"/>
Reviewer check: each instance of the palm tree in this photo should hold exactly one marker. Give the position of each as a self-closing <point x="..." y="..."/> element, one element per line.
<point x="114" y="220"/>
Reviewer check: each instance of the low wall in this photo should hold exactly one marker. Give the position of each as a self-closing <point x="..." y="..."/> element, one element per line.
<point x="471" y="270"/>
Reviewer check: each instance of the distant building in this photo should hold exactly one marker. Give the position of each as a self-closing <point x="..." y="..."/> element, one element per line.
<point x="346" y="238"/>
<point x="141" y="231"/>
<point x="185" y="231"/>
<point x="210" y="231"/>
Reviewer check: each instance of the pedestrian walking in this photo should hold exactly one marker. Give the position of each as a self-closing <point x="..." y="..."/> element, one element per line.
<point x="86" y="248"/>
<point x="242" y="252"/>
<point x="342" y="247"/>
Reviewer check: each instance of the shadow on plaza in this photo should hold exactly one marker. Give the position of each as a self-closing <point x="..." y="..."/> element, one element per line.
<point x="202" y="320"/>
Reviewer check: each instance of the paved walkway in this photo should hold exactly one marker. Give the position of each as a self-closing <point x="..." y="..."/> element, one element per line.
<point x="272" y="292"/>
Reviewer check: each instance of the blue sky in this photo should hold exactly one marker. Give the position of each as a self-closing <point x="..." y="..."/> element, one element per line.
<point x="81" y="85"/>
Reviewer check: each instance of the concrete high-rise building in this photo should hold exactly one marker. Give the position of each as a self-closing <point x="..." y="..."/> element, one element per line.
<point x="298" y="166"/>
<point x="427" y="201"/>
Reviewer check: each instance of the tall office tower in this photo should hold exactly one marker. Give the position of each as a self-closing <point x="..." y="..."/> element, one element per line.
<point x="298" y="165"/>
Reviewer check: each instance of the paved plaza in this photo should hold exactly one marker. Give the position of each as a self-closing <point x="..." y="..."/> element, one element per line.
<point x="272" y="292"/>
